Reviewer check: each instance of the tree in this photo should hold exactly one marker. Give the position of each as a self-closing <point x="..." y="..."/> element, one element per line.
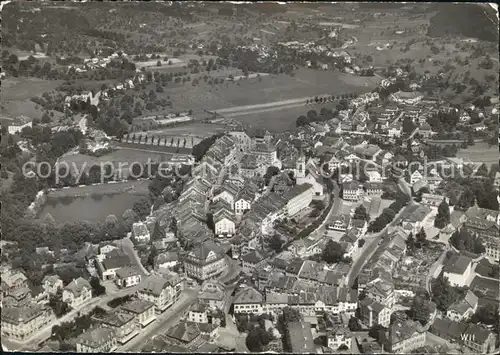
<point x="343" y="347"/>
<point x="158" y="233"/>
<point x="443" y="216"/>
<point x="443" y="294"/>
<point x="421" y="309"/>
<point x="463" y="240"/>
<point x="410" y="242"/>
<point x="354" y="325"/>
<point x="361" y="242"/>
<point x="271" y="171"/>
<point x="97" y="288"/>
<point x="361" y="213"/>
<point x="45" y="118"/>
<point x="142" y="208"/>
<point x="421" y="237"/>
<point x="332" y="252"/>
<point x="408" y="125"/>
<point x="276" y="243"/>
<point x="376" y="331"/>
<point x="301" y="121"/>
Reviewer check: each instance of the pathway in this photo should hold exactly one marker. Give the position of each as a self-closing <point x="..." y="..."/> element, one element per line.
<point x="432" y="270"/>
<point x="128" y="248"/>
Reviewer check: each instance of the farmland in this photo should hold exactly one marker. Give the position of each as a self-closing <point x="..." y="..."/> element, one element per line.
<point x="480" y="153"/>
<point x="16" y="94"/>
<point x="265" y="89"/>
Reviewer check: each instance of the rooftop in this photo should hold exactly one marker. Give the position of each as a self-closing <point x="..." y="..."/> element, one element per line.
<point x="96" y="337"/>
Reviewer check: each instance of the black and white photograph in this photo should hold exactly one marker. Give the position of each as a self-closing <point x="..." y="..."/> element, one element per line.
<point x="249" y="177"/>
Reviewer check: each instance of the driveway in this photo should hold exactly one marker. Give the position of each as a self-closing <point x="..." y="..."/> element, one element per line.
<point x="128" y="248"/>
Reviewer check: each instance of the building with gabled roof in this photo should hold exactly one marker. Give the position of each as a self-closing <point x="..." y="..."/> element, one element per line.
<point x="20" y="323"/>
<point x="142" y="310"/>
<point x="205" y="261"/>
<point x="458" y="270"/>
<point x="405" y="336"/>
<point x="95" y="340"/>
<point x="77" y="292"/>
<point x="462" y="309"/>
<point x="248" y="300"/>
<point x="158" y="290"/>
<point x="121" y="323"/>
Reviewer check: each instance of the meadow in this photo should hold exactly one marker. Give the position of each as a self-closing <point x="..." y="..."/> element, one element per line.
<point x="266" y="89"/>
<point x="16" y="94"/>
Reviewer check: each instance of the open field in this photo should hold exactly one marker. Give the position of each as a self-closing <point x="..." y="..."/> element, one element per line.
<point x="16" y="94"/>
<point x="480" y="153"/>
<point x="276" y="119"/>
<point x="125" y="156"/>
<point x="306" y="83"/>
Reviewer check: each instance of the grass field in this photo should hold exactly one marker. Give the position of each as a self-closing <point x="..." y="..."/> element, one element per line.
<point x="280" y="119"/>
<point x="16" y="94"/>
<point x="123" y="156"/>
<point x="306" y="82"/>
<point x="480" y="153"/>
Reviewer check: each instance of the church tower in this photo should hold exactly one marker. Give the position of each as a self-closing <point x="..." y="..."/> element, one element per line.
<point x="300" y="167"/>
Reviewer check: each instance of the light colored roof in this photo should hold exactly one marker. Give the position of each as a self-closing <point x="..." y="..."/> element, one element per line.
<point x="96" y="337"/>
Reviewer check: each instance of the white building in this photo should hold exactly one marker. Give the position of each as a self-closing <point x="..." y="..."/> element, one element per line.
<point x="224" y="223"/>
<point x="459" y="271"/>
<point x="77" y="292"/>
<point x="141" y="232"/>
<point x="299" y="197"/>
<point x="19" y="123"/>
<point x="339" y="336"/>
<point x="128" y="277"/>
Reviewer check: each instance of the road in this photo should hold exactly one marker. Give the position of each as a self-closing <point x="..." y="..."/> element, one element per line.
<point x="128" y="248"/>
<point x="433" y="268"/>
<point x="334" y="211"/>
<point x="369" y="249"/>
<point x="46" y="332"/>
<point x="164" y="321"/>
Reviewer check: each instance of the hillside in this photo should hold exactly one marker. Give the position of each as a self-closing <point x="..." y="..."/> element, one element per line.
<point x="470" y="20"/>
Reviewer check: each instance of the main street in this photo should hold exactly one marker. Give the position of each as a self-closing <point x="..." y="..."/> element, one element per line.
<point x="370" y="248"/>
<point x="334" y="211"/>
<point x="163" y="321"/>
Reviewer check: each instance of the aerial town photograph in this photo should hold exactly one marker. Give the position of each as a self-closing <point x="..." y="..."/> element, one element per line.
<point x="249" y="177"/>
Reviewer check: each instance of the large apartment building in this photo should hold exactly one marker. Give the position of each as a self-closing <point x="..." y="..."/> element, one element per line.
<point x="205" y="261"/>
<point x="20" y="323"/>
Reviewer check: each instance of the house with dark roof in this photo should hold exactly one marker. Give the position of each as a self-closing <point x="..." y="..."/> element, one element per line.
<point x="198" y="312"/>
<point x="113" y="261"/>
<point x="373" y="312"/>
<point x="142" y="310"/>
<point x="476" y="338"/>
<point x="213" y="294"/>
<point x="248" y="300"/>
<point x="405" y="336"/>
<point x="337" y="336"/>
<point x="123" y="324"/>
<point x="128" y="276"/>
<point x="158" y="290"/>
<point x="20" y="323"/>
<point x="458" y="270"/>
<point x="205" y="261"/>
<point x="77" y="292"/>
<point x="463" y="309"/>
<point x="352" y="191"/>
<point x="252" y="260"/>
<point x="96" y="340"/>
